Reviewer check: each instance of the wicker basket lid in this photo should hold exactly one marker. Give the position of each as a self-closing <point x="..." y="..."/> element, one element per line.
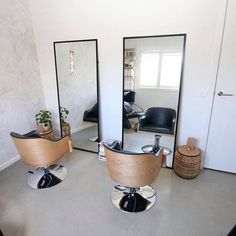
<point x="187" y="151"/>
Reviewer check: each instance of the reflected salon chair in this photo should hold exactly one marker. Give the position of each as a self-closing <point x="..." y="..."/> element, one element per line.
<point x="131" y="110"/>
<point x="134" y="172"/>
<point x="158" y="120"/>
<point x="91" y="115"/>
<point x="44" y="155"/>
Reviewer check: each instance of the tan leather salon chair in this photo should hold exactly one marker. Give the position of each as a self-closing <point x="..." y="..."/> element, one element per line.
<point x="44" y="155"/>
<point x="134" y="172"/>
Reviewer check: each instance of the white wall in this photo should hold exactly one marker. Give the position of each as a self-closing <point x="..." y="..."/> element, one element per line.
<point x="158" y="43"/>
<point x="110" y="21"/>
<point x="146" y="97"/>
<point x="21" y="92"/>
<point x="78" y="92"/>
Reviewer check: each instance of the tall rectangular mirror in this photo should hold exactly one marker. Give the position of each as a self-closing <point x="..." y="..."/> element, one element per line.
<point x="77" y="85"/>
<point x="152" y="75"/>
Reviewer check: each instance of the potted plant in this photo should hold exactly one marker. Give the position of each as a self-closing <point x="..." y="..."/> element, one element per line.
<point x="64" y="113"/>
<point x="65" y="126"/>
<point x="43" y="120"/>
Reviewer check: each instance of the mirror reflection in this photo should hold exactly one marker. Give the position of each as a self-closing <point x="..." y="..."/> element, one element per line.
<point x="77" y="80"/>
<point x="152" y="77"/>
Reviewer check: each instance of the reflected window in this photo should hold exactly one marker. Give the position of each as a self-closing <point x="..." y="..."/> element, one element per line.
<point x="160" y="69"/>
<point x="149" y="69"/>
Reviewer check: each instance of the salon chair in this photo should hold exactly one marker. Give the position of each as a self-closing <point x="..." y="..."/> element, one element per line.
<point x="134" y="172"/>
<point x="91" y="115"/>
<point x="158" y="120"/>
<point x="131" y="110"/>
<point x="44" y="155"/>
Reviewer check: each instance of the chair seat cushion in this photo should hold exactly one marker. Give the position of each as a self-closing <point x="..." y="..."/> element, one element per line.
<point x="155" y="128"/>
<point x="91" y="119"/>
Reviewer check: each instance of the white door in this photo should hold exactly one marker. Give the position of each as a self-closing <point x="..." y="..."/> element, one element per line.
<point x="221" y="146"/>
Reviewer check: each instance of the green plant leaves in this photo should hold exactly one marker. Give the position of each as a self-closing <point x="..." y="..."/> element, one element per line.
<point x="44" y="117"/>
<point x="63" y="113"/>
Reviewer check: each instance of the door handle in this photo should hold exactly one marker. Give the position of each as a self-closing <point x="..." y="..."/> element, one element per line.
<point x="220" y="93"/>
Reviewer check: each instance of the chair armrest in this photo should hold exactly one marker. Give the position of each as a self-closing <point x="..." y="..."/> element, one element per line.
<point x="141" y="122"/>
<point x="142" y="119"/>
<point x="163" y="160"/>
<point x="70" y="146"/>
<point x="173" y="123"/>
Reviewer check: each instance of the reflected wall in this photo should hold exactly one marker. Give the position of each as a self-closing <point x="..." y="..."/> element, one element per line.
<point x="77" y="81"/>
<point x="152" y="74"/>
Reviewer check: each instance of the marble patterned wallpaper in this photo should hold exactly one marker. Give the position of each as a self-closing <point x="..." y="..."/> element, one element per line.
<point x="21" y="92"/>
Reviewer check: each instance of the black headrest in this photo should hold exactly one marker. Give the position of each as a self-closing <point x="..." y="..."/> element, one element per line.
<point x="129" y="96"/>
<point x="115" y="145"/>
<point x="31" y="134"/>
<point x="95" y="107"/>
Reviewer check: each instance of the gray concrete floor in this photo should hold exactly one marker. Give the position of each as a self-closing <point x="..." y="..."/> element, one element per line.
<point x="81" y="139"/>
<point x="81" y="204"/>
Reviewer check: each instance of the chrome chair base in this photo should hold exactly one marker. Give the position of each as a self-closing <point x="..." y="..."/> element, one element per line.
<point x="133" y="199"/>
<point x="46" y="177"/>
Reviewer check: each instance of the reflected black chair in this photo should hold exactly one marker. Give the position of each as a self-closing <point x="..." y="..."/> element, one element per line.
<point x="91" y="115"/>
<point x="158" y="120"/>
<point x="131" y="111"/>
<point x="129" y="96"/>
<point x="232" y="231"/>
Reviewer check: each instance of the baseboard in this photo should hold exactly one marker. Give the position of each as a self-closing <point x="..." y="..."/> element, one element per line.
<point x="10" y="162"/>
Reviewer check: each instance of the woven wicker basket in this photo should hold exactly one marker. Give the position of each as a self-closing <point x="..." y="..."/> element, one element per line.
<point x="187" y="162"/>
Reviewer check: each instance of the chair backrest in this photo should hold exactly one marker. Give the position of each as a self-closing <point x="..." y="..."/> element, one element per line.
<point x="91" y="115"/>
<point x="132" y="169"/>
<point x="161" y="115"/>
<point x="95" y="109"/>
<point x="39" y="152"/>
<point x="129" y="96"/>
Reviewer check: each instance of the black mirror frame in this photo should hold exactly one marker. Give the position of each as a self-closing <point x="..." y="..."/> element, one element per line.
<point x="184" y="35"/>
<point x="97" y="78"/>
